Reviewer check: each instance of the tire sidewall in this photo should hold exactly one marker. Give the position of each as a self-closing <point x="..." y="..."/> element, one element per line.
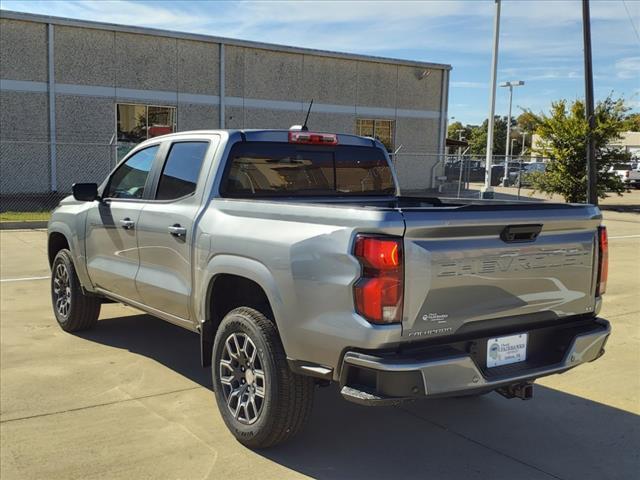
<point x="239" y="323"/>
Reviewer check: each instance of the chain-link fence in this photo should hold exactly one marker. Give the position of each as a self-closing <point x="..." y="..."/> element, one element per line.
<point x="34" y="175"/>
<point x="462" y="175"/>
<point x="31" y="184"/>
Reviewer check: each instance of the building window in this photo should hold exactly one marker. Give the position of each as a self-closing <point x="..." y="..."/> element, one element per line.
<point x="136" y="123"/>
<point x="380" y="129"/>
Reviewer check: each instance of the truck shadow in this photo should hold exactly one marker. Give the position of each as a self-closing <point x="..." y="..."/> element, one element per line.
<point x="556" y="435"/>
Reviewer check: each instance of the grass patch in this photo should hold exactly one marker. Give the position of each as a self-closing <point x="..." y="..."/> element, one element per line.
<point x="24" y="216"/>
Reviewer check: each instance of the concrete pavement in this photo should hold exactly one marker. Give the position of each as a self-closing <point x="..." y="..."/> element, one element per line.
<point x="129" y="400"/>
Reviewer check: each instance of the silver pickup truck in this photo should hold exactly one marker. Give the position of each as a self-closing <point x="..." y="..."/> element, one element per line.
<point x="295" y="258"/>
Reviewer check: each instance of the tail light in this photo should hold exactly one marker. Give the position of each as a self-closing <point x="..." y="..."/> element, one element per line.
<point x="313" y="138"/>
<point x="379" y="291"/>
<point x="603" y="261"/>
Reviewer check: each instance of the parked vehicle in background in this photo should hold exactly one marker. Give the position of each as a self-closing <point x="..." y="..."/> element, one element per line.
<point x="629" y="173"/>
<point x="515" y="167"/>
<point x="298" y="263"/>
<point x="527" y="170"/>
<point x="472" y="170"/>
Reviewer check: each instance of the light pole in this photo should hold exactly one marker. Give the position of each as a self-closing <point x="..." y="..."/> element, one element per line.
<point x="524" y="141"/>
<point x="518" y="83"/>
<point x="487" y="190"/>
<point x="592" y="173"/>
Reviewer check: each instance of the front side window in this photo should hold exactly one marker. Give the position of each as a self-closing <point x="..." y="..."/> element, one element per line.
<point x="137" y="123"/>
<point x="181" y="170"/>
<point x="129" y="180"/>
<point x="379" y="129"/>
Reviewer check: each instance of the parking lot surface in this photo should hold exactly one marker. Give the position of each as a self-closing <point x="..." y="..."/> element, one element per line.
<point x="130" y="400"/>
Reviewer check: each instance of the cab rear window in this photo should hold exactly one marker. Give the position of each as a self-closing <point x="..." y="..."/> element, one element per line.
<point x="268" y="169"/>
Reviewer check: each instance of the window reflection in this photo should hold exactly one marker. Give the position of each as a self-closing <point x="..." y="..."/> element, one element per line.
<point x="136" y="123"/>
<point x="379" y="129"/>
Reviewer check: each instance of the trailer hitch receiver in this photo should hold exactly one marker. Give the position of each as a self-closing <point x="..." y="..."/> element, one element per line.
<point x="523" y="391"/>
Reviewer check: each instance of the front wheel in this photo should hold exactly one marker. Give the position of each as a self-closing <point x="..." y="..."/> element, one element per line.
<point x="74" y="310"/>
<point x="261" y="400"/>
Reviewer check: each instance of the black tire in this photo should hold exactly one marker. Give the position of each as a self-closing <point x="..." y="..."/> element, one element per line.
<point x="287" y="398"/>
<point x="74" y="310"/>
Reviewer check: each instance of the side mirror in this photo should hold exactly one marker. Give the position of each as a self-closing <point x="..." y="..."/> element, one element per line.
<point x="85" y="192"/>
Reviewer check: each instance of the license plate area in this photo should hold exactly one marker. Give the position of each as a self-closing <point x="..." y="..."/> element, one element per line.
<point x="507" y="350"/>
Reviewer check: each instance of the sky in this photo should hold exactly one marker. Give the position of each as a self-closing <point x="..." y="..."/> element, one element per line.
<point x="540" y="41"/>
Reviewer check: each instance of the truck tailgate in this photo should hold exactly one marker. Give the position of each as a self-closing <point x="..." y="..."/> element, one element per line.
<point x="459" y="271"/>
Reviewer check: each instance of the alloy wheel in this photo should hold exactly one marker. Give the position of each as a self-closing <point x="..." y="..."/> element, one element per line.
<point x="62" y="289"/>
<point x="242" y="377"/>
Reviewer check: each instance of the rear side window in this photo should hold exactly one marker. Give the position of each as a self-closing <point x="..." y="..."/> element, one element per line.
<point x="267" y="169"/>
<point x="181" y="170"/>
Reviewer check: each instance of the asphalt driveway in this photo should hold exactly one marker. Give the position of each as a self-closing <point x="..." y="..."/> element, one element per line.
<point x="130" y="400"/>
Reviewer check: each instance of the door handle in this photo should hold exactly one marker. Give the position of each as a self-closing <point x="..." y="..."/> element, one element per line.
<point x="177" y="231"/>
<point x="127" y="223"/>
<point x="520" y="233"/>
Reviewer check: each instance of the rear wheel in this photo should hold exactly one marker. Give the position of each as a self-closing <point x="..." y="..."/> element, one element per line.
<point x="74" y="310"/>
<point x="261" y="400"/>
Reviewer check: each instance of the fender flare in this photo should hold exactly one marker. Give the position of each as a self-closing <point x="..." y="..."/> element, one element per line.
<point x="251" y="269"/>
<point x="76" y="246"/>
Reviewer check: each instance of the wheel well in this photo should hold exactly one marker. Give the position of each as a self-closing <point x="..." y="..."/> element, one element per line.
<point x="57" y="241"/>
<point x="225" y="293"/>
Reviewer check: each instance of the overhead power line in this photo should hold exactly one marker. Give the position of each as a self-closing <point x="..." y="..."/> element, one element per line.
<point x="633" y="25"/>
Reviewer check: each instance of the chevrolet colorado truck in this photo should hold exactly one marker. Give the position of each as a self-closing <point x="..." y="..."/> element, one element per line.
<point x="298" y="263"/>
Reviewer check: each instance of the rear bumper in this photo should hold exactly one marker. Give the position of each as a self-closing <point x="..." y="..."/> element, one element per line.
<point x="455" y="369"/>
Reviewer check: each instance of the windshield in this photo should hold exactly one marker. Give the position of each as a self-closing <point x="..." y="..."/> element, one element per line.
<point x="268" y="169"/>
<point x="535" y="167"/>
<point x="622" y="166"/>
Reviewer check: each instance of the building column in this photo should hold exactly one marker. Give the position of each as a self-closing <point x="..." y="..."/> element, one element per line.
<point x="52" y="109"/>
<point x="444" y="107"/>
<point x="222" y="80"/>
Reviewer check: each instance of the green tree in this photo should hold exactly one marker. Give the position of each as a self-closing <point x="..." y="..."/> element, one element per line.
<point x="527" y="121"/>
<point x="478" y="140"/>
<point x="632" y="122"/>
<point x="456" y="128"/>
<point x="564" y="135"/>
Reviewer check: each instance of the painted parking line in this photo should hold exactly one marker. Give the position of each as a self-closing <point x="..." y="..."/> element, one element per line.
<point x="24" y="279"/>
<point x="626" y="236"/>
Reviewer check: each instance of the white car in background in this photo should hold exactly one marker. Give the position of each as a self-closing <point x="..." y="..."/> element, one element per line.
<point x="629" y="173"/>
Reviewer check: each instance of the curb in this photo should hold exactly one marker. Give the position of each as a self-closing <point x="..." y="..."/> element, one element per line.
<point x="22" y="225"/>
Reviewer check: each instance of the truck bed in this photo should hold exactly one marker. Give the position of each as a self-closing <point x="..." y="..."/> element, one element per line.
<point x="461" y="266"/>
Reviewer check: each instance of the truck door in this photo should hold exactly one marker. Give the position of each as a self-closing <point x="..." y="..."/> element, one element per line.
<point x="165" y="229"/>
<point x="111" y="240"/>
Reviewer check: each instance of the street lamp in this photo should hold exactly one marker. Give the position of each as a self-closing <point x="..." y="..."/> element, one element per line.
<point x="517" y="83"/>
